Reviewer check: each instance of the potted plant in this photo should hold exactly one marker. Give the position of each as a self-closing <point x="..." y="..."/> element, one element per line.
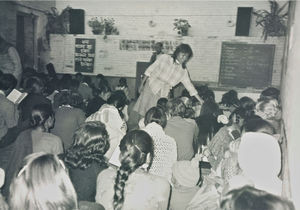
<point x="57" y="23"/>
<point x="96" y="25"/>
<point x="182" y="26"/>
<point x="105" y="26"/>
<point x="273" y="21"/>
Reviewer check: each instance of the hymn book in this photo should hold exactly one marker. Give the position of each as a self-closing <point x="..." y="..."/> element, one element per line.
<point x="16" y="96"/>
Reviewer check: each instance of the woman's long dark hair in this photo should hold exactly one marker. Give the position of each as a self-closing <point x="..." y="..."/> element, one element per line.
<point x="89" y="145"/>
<point x="135" y="147"/>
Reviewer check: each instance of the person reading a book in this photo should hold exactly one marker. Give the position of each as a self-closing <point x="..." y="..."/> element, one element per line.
<point x="9" y="114"/>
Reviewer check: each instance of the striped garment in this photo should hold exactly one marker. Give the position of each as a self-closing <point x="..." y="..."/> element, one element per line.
<point x="164" y="74"/>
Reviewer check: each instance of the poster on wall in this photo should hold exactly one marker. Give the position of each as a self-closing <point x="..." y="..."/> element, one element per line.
<point x="84" y="55"/>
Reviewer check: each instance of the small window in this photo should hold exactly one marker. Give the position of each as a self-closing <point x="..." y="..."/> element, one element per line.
<point x="243" y="21"/>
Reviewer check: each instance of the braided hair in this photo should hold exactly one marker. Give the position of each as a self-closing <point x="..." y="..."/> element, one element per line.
<point x="89" y="145"/>
<point x="136" y="147"/>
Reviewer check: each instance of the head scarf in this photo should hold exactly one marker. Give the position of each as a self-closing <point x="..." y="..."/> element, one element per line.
<point x="259" y="157"/>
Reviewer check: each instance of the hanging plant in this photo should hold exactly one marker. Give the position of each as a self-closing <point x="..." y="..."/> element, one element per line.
<point x="273" y="21"/>
<point x="105" y="26"/>
<point x="182" y="26"/>
<point x="57" y="23"/>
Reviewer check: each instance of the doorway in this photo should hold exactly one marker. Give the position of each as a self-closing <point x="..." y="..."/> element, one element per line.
<point x="26" y="28"/>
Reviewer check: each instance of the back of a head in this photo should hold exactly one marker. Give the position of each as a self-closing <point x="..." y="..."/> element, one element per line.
<point x="259" y="156"/>
<point x="177" y="107"/>
<point x="136" y="150"/>
<point x="34" y="85"/>
<point x="87" y="79"/>
<point x="208" y="95"/>
<point x="267" y="108"/>
<point x="42" y="174"/>
<point x="162" y="103"/>
<point x="157" y="115"/>
<point x="65" y="81"/>
<point x="270" y="92"/>
<point x="40" y="113"/>
<point x="7" y="82"/>
<point x="250" y="198"/>
<point x="118" y="99"/>
<point x="230" y="98"/>
<point x="257" y="124"/>
<point x="247" y="103"/>
<point x="123" y="81"/>
<point x="76" y="100"/>
<point x="90" y="143"/>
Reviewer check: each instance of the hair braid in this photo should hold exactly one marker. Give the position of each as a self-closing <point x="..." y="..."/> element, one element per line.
<point x="127" y="167"/>
<point x="134" y="147"/>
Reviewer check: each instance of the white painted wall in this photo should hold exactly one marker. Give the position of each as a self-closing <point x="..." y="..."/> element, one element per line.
<point x="291" y="109"/>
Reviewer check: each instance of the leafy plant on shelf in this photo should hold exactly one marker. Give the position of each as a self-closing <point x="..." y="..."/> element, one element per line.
<point x="273" y="21"/>
<point x="104" y="26"/>
<point x="57" y="23"/>
<point x="182" y="26"/>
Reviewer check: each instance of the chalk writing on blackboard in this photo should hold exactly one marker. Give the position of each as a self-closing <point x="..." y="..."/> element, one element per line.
<point x="84" y="55"/>
<point x="246" y="65"/>
<point x="147" y="45"/>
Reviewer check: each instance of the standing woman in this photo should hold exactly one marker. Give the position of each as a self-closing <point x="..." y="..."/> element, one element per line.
<point x="10" y="61"/>
<point x="165" y="73"/>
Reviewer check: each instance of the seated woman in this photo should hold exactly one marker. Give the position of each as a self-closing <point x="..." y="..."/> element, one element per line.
<point x="230" y="132"/>
<point x="165" y="149"/>
<point x="111" y="115"/>
<point x="85" y="158"/>
<point x="184" y="131"/>
<point x="131" y="186"/>
<point x="229" y="102"/>
<point x="101" y="95"/>
<point x="42" y="183"/>
<point x="258" y="168"/>
<point x="69" y="116"/>
<point x="269" y="110"/>
<point x="185" y="182"/>
<point x="35" y="87"/>
<point x="35" y="139"/>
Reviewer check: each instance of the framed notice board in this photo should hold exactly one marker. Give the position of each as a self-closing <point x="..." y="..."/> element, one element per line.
<point x="246" y="65"/>
<point x="84" y="55"/>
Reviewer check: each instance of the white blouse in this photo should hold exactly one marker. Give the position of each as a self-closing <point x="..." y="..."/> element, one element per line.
<point x="165" y="151"/>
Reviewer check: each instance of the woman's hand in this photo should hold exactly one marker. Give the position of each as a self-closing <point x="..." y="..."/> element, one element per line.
<point x="142" y="85"/>
<point x="199" y="99"/>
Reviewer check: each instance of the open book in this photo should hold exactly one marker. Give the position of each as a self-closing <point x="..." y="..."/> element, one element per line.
<point x="16" y="96"/>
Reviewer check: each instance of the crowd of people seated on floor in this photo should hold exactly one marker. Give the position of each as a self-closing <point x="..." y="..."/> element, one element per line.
<point x="71" y="144"/>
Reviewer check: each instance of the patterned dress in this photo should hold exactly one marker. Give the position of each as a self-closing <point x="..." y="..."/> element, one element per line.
<point x="163" y="75"/>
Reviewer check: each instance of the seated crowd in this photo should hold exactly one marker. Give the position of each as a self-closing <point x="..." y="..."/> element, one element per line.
<point x="71" y="144"/>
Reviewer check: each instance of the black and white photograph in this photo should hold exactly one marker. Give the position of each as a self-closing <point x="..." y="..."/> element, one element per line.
<point x="149" y="104"/>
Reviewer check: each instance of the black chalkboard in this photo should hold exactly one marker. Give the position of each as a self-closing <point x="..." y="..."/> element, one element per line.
<point x="246" y="65"/>
<point x="84" y="55"/>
